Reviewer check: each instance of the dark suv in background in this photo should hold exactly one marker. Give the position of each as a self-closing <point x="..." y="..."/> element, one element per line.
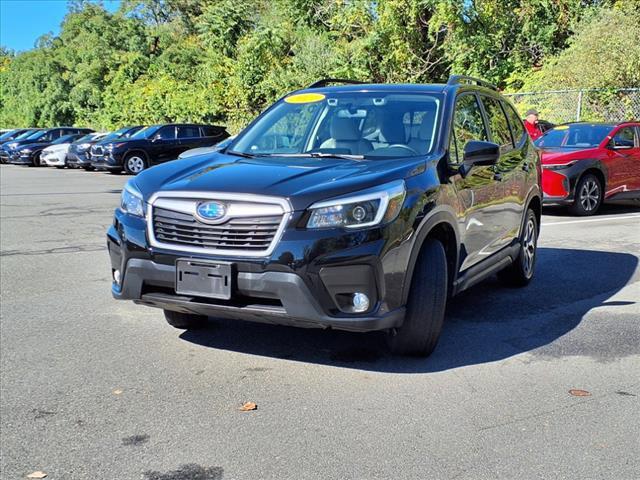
<point x="79" y="153"/>
<point x="27" y="151"/>
<point x="97" y="149"/>
<point x="355" y="207"/>
<point x="157" y="144"/>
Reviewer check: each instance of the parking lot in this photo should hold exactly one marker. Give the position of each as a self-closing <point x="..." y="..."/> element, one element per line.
<point x="94" y="388"/>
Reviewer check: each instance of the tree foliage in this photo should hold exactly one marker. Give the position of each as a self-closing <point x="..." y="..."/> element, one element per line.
<point x="226" y="60"/>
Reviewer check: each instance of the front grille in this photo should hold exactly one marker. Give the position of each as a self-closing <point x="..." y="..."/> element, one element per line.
<point x="251" y="234"/>
<point x="96" y="150"/>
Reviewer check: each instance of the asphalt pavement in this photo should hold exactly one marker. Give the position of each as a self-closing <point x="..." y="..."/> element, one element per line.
<point x="92" y="388"/>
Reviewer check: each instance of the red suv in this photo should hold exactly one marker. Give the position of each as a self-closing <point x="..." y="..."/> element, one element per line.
<point x="585" y="164"/>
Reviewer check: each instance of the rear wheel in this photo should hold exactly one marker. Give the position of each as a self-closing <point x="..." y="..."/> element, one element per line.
<point x="520" y="272"/>
<point x="589" y="196"/>
<point x="184" y="320"/>
<point x="422" y="325"/>
<point x="134" y="163"/>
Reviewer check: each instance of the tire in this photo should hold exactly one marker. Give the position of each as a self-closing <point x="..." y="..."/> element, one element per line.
<point x="36" y="161"/>
<point x="418" y="335"/>
<point x="589" y="196"/>
<point x="521" y="271"/>
<point x="184" y="320"/>
<point x="134" y="163"/>
<point x="88" y="168"/>
<point x="60" y="167"/>
<point x="114" y="172"/>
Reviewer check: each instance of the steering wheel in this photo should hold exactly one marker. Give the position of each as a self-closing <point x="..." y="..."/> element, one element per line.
<point x="406" y="147"/>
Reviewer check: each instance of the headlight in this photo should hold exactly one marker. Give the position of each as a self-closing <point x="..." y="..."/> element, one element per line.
<point x="371" y="207"/>
<point x="131" y="201"/>
<point x="13" y="145"/>
<point x="559" y="166"/>
<point x="84" y="146"/>
<point x="26" y="150"/>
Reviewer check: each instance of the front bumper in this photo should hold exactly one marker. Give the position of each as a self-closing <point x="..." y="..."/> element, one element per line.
<point x="79" y="159"/>
<point x="299" y="284"/>
<point x="21" y="159"/>
<point x="53" y="160"/>
<point x="106" y="161"/>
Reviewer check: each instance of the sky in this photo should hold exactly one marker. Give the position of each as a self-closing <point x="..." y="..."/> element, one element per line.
<point x="23" y="21"/>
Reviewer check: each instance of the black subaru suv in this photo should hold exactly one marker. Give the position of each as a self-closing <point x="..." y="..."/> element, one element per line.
<point x="355" y="207"/>
<point x="157" y="144"/>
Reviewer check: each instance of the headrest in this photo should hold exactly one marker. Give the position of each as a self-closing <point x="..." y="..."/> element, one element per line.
<point x="344" y="129"/>
<point x="426" y="127"/>
<point x="392" y="129"/>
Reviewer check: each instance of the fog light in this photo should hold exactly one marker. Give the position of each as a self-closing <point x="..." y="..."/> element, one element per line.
<point x="360" y="302"/>
<point x="116" y="276"/>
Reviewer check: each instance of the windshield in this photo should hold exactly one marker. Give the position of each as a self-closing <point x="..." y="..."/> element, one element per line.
<point x="146" y="132"/>
<point x="6" y="135"/>
<point x="86" y="138"/>
<point x="25" y="135"/>
<point x="117" y="134"/>
<point x="579" y="135"/>
<point x="65" y="139"/>
<point x="351" y="124"/>
<point x="36" y="135"/>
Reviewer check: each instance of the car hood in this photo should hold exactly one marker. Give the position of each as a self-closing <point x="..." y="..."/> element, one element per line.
<point x="33" y="145"/>
<point x="302" y="180"/>
<point x="57" y="148"/>
<point x="566" y="155"/>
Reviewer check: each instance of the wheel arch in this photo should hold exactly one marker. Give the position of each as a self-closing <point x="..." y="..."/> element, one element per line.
<point x="442" y="226"/>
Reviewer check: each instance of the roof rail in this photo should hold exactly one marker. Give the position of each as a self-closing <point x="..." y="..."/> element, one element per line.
<point x="462" y="79"/>
<point x="326" y="81"/>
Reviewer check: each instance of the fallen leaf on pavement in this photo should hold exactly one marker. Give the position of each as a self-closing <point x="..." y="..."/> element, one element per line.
<point x="117" y="391"/>
<point x="248" y="406"/>
<point x="579" y="393"/>
<point x="37" y="474"/>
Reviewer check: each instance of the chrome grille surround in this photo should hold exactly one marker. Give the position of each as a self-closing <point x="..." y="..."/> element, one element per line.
<point x="169" y="226"/>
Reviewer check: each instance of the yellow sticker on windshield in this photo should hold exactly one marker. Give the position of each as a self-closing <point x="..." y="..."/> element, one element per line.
<point x="305" y="98"/>
<point x="561" y="127"/>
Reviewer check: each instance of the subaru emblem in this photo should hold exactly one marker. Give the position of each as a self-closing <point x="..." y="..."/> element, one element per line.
<point x="210" y="211"/>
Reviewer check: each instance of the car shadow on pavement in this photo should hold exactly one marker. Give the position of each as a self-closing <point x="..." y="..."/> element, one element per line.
<point x="484" y="324"/>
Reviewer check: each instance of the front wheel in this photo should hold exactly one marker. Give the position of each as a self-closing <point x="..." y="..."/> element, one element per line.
<point x="520" y="272"/>
<point x="422" y="325"/>
<point x="36" y="160"/>
<point x="588" y="196"/>
<point x="184" y="320"/>
<point x="134" y="163"/>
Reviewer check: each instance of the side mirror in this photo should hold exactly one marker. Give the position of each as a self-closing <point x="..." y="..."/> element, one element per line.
<point x="156" y="138"/>
<point x="477" y="152"/>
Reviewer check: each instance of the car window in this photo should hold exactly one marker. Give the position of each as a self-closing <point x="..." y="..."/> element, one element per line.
<point x="166" y="133"/>
<point x="516" y="123"/>
<point x="498" y="124"/>
<point x="467" y="123"/>
<point x="210" y="131"/>
<point x="624" y="138"/>
<point x="576" y="135"/>
<point x="188" y="132"/>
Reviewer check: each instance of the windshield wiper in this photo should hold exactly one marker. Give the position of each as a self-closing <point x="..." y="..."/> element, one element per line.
<point x="344" y="156"/>
<point x="240" y="154"/>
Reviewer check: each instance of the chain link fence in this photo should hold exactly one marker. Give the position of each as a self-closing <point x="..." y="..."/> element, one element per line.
<point x="591" y="105"/>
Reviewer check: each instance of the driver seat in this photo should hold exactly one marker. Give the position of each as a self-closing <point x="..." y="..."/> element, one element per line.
<point x="345" y="135"/>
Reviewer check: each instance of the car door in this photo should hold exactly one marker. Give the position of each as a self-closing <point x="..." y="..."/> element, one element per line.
<point x="623" y="156"/>
<point x="509" y="169"/>
<point x="480" y="194"/>
<point x="189" y="137"/>
<point x="164" y="145"/>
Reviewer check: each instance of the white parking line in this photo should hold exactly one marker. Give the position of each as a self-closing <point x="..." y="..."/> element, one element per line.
<point x="590" y="220"/>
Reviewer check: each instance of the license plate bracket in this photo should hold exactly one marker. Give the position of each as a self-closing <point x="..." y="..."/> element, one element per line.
<point x="204" y="279"/>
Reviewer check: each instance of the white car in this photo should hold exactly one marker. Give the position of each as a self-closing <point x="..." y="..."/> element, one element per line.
<point x="55" y="155"/>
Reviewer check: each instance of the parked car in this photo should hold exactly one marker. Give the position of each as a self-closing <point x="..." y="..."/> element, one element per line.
<point x="97" y="150"/>
<point x="13" y="134"/>
<point x="7" y="145"/>
<point x="157" y="144"/>
<point x="27" y="151"/>
<point x="205" y="150"/>
<point x="585" y="164"/>
<point x="355" y="207"/>
<point x="79" y="153"/>
<point x="55" y="155"/>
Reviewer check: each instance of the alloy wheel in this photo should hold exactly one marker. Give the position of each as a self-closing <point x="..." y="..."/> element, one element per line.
<point x="529" y="248"/>
<point x="135" y="164"/>
<point x="589" y="195"/>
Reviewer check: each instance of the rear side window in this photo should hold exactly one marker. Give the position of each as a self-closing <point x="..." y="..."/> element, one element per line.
<point x="498" y="124"/>
<point x="467" y="125"/>
<point x="188" y="132"/>
<point x="210" y="131"/>
<point x="516" y="124"/>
